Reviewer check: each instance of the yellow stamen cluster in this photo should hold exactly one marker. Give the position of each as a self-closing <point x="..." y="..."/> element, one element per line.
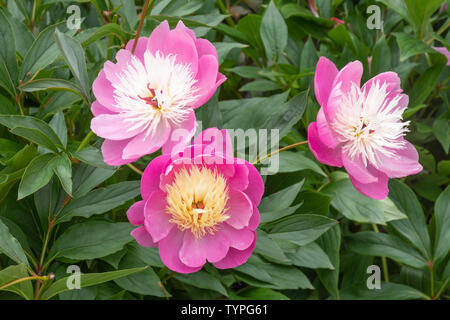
<point x="197" y="200"/>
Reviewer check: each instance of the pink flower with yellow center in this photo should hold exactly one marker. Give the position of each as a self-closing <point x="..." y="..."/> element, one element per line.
<point x="147" y="95"/>
<point x="199" y="205"/>
<point x="361" y="128"/>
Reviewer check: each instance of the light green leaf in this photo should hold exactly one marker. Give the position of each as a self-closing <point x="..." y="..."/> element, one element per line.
<point x="274" y="33"/>
<point x="36" y="175"/>
<point x="10" y="247"/>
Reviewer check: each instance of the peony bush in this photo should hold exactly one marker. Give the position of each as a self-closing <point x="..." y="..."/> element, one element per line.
<point x="224" y="150"/>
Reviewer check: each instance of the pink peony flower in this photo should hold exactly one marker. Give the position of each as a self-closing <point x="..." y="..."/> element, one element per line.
<point x="199" y="205"/>
<point x="144" y="97"/>
<point x="445" y="52"/>
<point x="361" y="128"/>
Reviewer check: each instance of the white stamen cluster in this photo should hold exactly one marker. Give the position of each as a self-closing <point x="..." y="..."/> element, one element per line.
<point x="368" y="124"/>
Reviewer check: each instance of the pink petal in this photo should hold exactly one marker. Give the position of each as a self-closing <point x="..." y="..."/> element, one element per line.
<point x="240" y="209"/>
<point x="255" y="219"/>
<point x="97" y="109"/>
<point x="104" y="92"/>
<point x="113" y="71"/>
<point x="240" y="239"/>
<point x="156" y="218"/>
<point x="180" y="44"/>
<point x="404" y="164"/>
<point x="181" y="134"/>
<point x="144" y="144"/>
<point x="114" y="127"/>
<point x="255" y="188"/>
<point x="204" y="47"/>
<point x="375" y="190"/>
<point x="218" y="141"/>
<point x="325" y="155"/>
<point x="235" y="257"/>
<point x="112" y="152"/>
<point x="143" y="237"/>
<point x="169" y="248"/>
<point x="326" y="71"/>
<point x="239" y="181"/>
<point x="135" y="213"/>
<point x="350" y="74"/>
<point x="158" y="37"/>
<point x="326" y="135"/>
<point x="206" y="79"/>
<point x="151" y="176"/>
<point x="356" y="168"/>
<point x="140" y="47"/>
<point x="195" y="252"/>
<point x="191" y="33"/>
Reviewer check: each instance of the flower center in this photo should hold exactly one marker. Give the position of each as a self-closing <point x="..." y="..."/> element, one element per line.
<point x="159" y="81"/>
<point x="369" y="124"/>
<point x="197" y="200"/>
<point x="151" y="99"/>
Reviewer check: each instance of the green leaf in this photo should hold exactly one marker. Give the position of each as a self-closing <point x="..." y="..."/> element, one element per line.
<point x="75" y="58"/>
<point x="223" y="48"/>
<point x="442" y="220"/>
<point x="32" y="129"/>
<point x="274" y="33"/>
<point x="424" y="85"/>
<point x="87" y="280"/>
<point x="91" y="156"/>
<point x="10" y="247"/>
<point x="53" y="84"/>
<point x="8" y="62"/>
<point x="381" y="57"/>
<point x="308" y="59"/>
<point x="92" y="35"/>
<point x="388" y="291"/>
<point x="281" y="199"/>
<point x="86" y="177"/>
<point x="99" y="200"/>
<point x="145" y="282"/>
<point x="420" y="11"/>
<point x="296" y="161"/>
<point x="36" y="175"/>
<point x="13" y="273"/>
<point x="90" y="240"/>
<point x="58" y="124"/>
<point x="330" y="242"/>
<point x="300" y="229"/>
<point x="209" y="114"/>
<point x="62" y="166"/>
<point x="380" y="244"/>
<point x="411" y="46"/>
<point x="202" y="280"/>
<point x="269" y="248"/>
<point x="352" y="204"/>
<point x="42" y="53"/>
<point x="260" y="294"/>
<point x="441" y="130"/>
<point x="415" y="227"/>
<point x="262" y="85"/>
<point x="310" y="256"/>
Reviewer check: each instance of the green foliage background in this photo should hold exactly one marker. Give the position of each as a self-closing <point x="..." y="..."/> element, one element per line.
<point x="61" y="205"/>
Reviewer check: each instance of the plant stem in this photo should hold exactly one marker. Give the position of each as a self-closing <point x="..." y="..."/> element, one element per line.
<point x="42" y="278"/>
<point x="224" y="10"/>
<point x="282" y="149"/>
<point x="383" y="259"/>
<point x="134" y="169"/>
<point x="85" y="141"/>
<point x="141" y="23"/>
<point x="441" y="289"/>
<point x="431" y="268"/>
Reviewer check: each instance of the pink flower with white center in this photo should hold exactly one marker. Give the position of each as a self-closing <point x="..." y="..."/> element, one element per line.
<point x="147" y="95"/>
<point x="361" y="128"/>
<point x="199" y="205"/>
